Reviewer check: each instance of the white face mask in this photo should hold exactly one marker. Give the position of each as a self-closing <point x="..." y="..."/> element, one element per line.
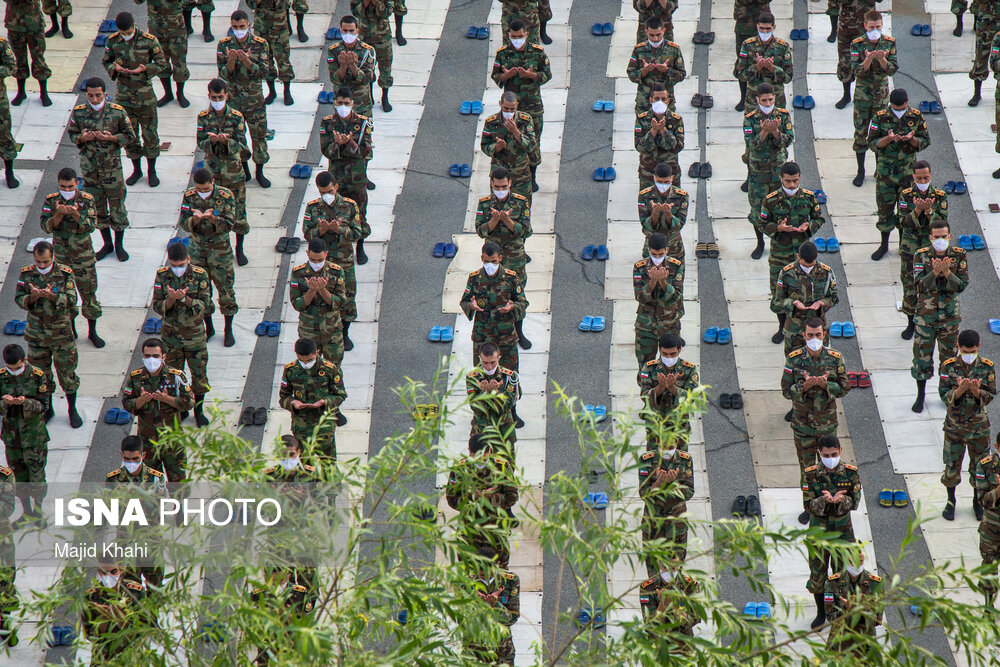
<point x="204" y="195"/>
<point x="289" y="464"/>
<point x="898" y="113"/>
<point x="666" y="575"/>
<point x="67" y="194"/>
<point x="492" y="371"/>
<point x="669" y="362"/>
<point x="788" y="192"/>
<point x="854" y="571"/>
<point x="179" y="270"/>
<point x="348" y="37"/>
<point x="517" y="43"/>
<point x="507" y="115"/>
<point x="152" y="364"/>
<point x="491" y="267"/>
<point x="923" y="186"/>
<point x="108" y="580"/>
<point x="307" y="364"/>
<point x="940" y="244"/>
<point x="830" y="462"/>
<point x="329" y="199"/>
<point x="669" y="453"/>
<point x="344" y="110"/>
<point x="218" y="105"/>
<point x="241" y="34"/>
<point x="765" y="36"/>
<point x="317" y="266"/>
<point x="807" y="269"/>
<point x="97" y="107"/>
<point x="657" y="260"/>
<point x="45" y="270"/>
<point x="969" y="358"/>
<point x="128" y="36"/>
<point x="873" y="34"/>
<point x="655" y="45"/>
<point x="814" y="344"/>
<point x="18" y="371"/>
<point x="659" y="107"/>
<point x="501" y="194"/>
<point x="662" y="188"/>
<point x="766" y="109"/>
<point x="131" y="466"/>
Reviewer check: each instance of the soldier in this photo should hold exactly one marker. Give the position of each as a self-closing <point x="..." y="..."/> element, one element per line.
<point x="166" y="23"/>
<point x="873" y="59"/>
<point x="206" y="7"/>
<point x="941" y="273"/>
<point x="505" y="219"/>
<point x="287" y="596"/>
<point x="493" y="397"/>
<point x="524" y="10"/>
<point x="745" y="13"/>
<point x="666" y="483"/>
<point x="482" y="489"/>
<point x="8" y="570"/>
<point x="345" y="138"/>
<point x="830" y="492"/>
<point x="270" y="20"/>
<point x="335" y="219"/>
<point x="764" y="58"/>
<point x="995" y="67"/>
<point x="664" y="600"/>
<point x="222" y="135"/>
<point x="895" y="135"/>
<point x="523" y="68"/>
<point x="767" y="132"/>
<point x="352" y="64"/>
<point x="813" y="379"/>
<point x="850" y="25"/>
<point x="659" y="137"/>
<point x="663" y="383"/>
<point x="494" y="299"/>
<point x="243" y="60"/>
<point x="663" y="209"/>
<point x="69" y="216"/>
<point x="658" y="284"/>
<point x="501" y="590"/>
<point x="25" y="394"/>
<point x="23" y="21"/>
<point x="114" y="614"/>
<point x="312" y="390"/>
<point x="661" y="9"/>
<point x="182" y="294"/>
<point x="805" y="289"/>
<point x="8" y="147"/>
<point x="47" y="291"/>
<point x="656" y="60"/>
<point x="100" y="129"/>
<point x="373" y="28"/>
<point x="987" y="24"/>
<point x="987" y="483"/>
<point x="509" y="139"/>
<point x="847" y="602"/>
<point x="967" y="386"/>
<point x="919" y="206"/>
<point x="208" y="212"/>
<point x="317" y="292"/>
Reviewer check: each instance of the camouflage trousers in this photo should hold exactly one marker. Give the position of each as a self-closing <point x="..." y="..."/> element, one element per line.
<point x="794" y="332"/>
<point x="503" y="654"/>
<point x="85" y="273"/>
<point x="250" y="103"/>
<point x="218" y="262"/>
<point x="751" y="99"/>
<point x="274" y="29"/>
<point x="23" y="43"/>
<point x="777" y="259"/>
<point x="491" y="535"/>
<point x="989" y="549"/>
<point x="958" y="437"/>
<point x="324" y="446"/>
<point x="194" y="351"/>
<point x="144" y="122"/>
<point x="530" y="17"/>
<point x="26" y="454"/>
<point x="959" y="7"/>
<point x="515" y="259"/>
<point x="761" y="181"/>
<point x="646" y="176"/>
<point x="996" y="115"/>
<point x="822" y="560"/>
<point x="866" y="103"/>
<point x="107" y="186"/>
<point x="238" y="187"/>
<point x="62" y="355"/>
<point x="381" y="40"/>
<point x="806" y="443"/>
<point x="909" y="283"/>
<point x="172" y="33"/>
<point x="648" y="331"/>
<point x="354" y="186"/>
<point x="535" y="110"/>
<point x="172" y="460"/>
<point x="203" y="6"/>
<point x="946" y="334"/>
<point x="744" y="31"/>
<point x="329" y="341"/>
<point x="850" y="25"/>
<point x="675" y="248"/>
<point x="349" y="309"/>
<point x="985" y="31"/>
<point x="888" y="188"/>
<point x="399" y="8"/>
<point x="832" y="8"/>
<point x="300" y="7"/>
<point x="508" y="351"/>
<point x="8" y="147"/>
<point x="57" y="8"/>
<point x="670" y="528"/>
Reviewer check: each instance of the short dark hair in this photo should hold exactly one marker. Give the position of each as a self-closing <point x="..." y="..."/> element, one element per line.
<point x="13" y="353"/>
<point x="814" y="323"/>
<point x="124" y="21"/>
<point x="478" y="442"/>
<point x="659" y="88"/>
<point x="516" y="24"/>
<point x="289" y="441"/>
<point x="348" y="18"/>
<point x="41" y="248"/>
<point x="217" y="86"/>
<point x="324" y="179"/>
<point x="239" y="15"/>
<point x="669" y="340"/>
<point x="653" y="22"/>
<point x="490" y="248"/>
<point x="344" y="91"/>
<point x="153" y="342"/>
<point x="827" y="441"/>
<point x="66" y="174"/>
<point x="131" y="443"/>
<point x="765" y="17"/>
<point x="663" y="170"/>
<point x="488" y="349"/>
<point x="808" y="251"/>
<point x="177" y="251"/>
<point x="202" y="176"/>
<point x="317" y="244"/>
<point x="96" y="82"/>
<point x="657" y="242"/>
<point x="940" y="224"/>
<point x="499" y="173"/>
<point x="790" y="169"/>
<point x="765" y="89"/>
<point x="968" y="338"/>
<point x="921" y="164"/>
<point x="899" y="96"/>
<point x="873" y="15"/>
<point x="305" y="346"/>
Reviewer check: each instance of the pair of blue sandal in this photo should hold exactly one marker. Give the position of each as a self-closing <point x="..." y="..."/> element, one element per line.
<point x="893" y="498"/>
<point x="597" y="500"/>
<point x="604" y="105"/>
<point x="842" y="330"/>
<point x="995" y="326"/>
<point x="267" y="328"/>
<point x="152" y="325"/>
<point x="591" y="323"/>
<point x="602" y="29"/>
<point x="61" y="635"/>
<point x="441" y="334"/>
<point x="803" y="102"/>
<point x="186" y="240"/>
<point x="970" y="242"/>
<point x="15" y="327"/>
<point x="326" y="97"/>
<point x="598" y="412"/>
<point x="826" y="245"/>
<point x="592" y="617"/>
<point x="477" y="32"/>
<point x="605" y="174"/>
<point x="460" y="171"/>
<point x="117" y="416"/>
<point x="598" y="252"/>
<point x="213" y="631"/>
<point x="799" y="34"/>
<point x="300" y="171"/>
<point x="471" y="108"/>
<point x="757" y="610"/>
<point x="920" y="30"/>
<point x="108" y="26"/>
<point x="930" y="106"/>
<point x="722" y="336"/>
<point x="956" y="187"/>
<point x="444" y="250"/>
<point x="333" y="33"/>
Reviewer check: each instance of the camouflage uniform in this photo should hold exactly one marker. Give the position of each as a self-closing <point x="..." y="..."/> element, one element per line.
<point x="322" y="382"/>
<point x="244" y="82"/>
<point x="62" y="8"/>
<point x="349" y="167"/>
<point x="799" y="208"/>
<point x="482" y="518"/>
<point x="894" y="163"/>
<point x="793" y="285"/>
<point x="814" y="410"/>
<point x="49" y="335"/>
<point x="511" y="241"/>
<point x="663" y="147"/>
<point x="494" y="410"/>
<point x="675" y="617"/>
<point x="744" y="69"/>
<point x="660" y="309"/>
<point x="25" y="436"/>
<point x="846" y="623"/>
<point x="663" y="12"/>
<point x="166" y="23"/>
<point x="26" y="32"/>
<point x="183" y="324"/>
<point x="291" y="605"/>
<point x="135" y="92"/>
<point x="915" y="233"/>
<point x="764" y="158"/>
<point x="994" y="62"/>
<point x="507" y="611"/>
<point x="850" y="24"/>
<point x="73" y="247"/>
<point x="987" y="482"/>
<point x="340" y="244"/>
<point x="833" y="517"/>
<point x="155" y="415"/>
<point x="745" y="12"/>
<point x="270" y="22"/>
<point x="8" y="570"/>
<point x="654" y="223"/>
<point x="225" y="159"/>
<point x="966" y="425"/>
<point x="127" y="597"/>
<point x="373" y="28"/>
<point x="871" y="88"/>
<point x="529" y="93"/>
<point x="659" y="407"/>
<point x="937" y="313"/>
<point x="516" y="155"/>
<point x="319" y="320"/>
<point x="987" y="24"/>
<point x="491" y="293"/>
<point x="210" y="247"/>
<point x="101" y="161"/>
<point x="8" y="147"/>
<point x="668" y="53"/>
<point x="527" y="11"/>
<point x="663" y="506"/>
<point x="148" y="485"/>
<point x="360" y="83"/>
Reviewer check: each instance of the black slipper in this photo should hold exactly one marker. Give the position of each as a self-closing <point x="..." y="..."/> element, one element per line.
<point x="753" y="506"/>
<point x="736" y="401"/>
<point x="282" y="244"/>
<point x="292" y="245"/>
<point x="708" y="38"/>
<point x="698" y="37"/>
<point x="707" y="102"/>
<point x="701" y="250"/>
<point x="705" y="170"/>
<point x="694" y="170"/>
<point x="725" y="401"/>
<point x="696" y="100"/>
<point x="740" y="506"/>
<point x="712" y="250"/>
<point x="246" y="417"/>
<point x="260" y="416"/>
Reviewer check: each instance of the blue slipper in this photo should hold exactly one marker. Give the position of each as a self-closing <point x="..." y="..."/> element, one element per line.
<point x="483" y="32"/>
<point x="836" y="329"/>
<point x="936" y="107"/>
<point x="20" y="327"/>
<point x="438" y="250"/>
<point x="847" y="328"/>
<point x="915" y="30"/>
<point x="794" y="35"/>
<point x="587" y="322"/>
<point x="305" y="171"/>
<point x="804" y="33"/>
<point x="725" y="336"/>
<point x="10" y="328"/>
<point x="977" y="242"/>
<point x="333" y="33"/>
<point x="995" y="326"/>
<point x="455" y="170"/>
<point x="600" y="413"/>
<point x="273" y="329"/>
<point x="797" y="102"/>
<point x="588" y="410"/>
<point x="599" y="174"/>
<point x="597" y="324"/>
<point x="961" y="187"/>
<point x="750" y="609"/>
<point x="925" y="106"/>
<point x="763" y="610"/>
<point x="598" y="500"/>
<point x="583" y="618"/>
<point x="68" y="636"/>
<point x="466" y="108"/>
<point x="108" y="26"/>
<point x="435" y="334"/>
<point x="472" y="32"/>
<point x="159" y="324"/>
<point x="899" y="498"/>
<point x="447" y="334"/>
<point x="610" y="174"/>
<point x="885" y="498"/>
<point x="111" y="416"/>
<point x="808" y="102"/>
<point x="588" y="252"/>
<point x="925" y="30"/>
<point x="124" y="417"/>
<point x="602" y="253"/>
<point x="261" y="329"/>
<point x="607" y="29"/>
<point x="464" y="171"/>
<point x="915" y="610"/>
<point x="477" y="107"/>
<point x="402" y="617"/>
<point x="101" y="41"/>
<point x="149" y="326"/>
<point x="820" y="243"/>
<point x="450" y="249"/>
<point x="295" y="170"/>
<point x="965" y="242"/>
<point x="609" y="105"/>
<point x="820" y="196"/>
<point x="832" y="245"/>
<point x="598" y="105"/>
<point x="596" y="29"/>
<point x="949" y="187"/>
<point x="711" y="335"/>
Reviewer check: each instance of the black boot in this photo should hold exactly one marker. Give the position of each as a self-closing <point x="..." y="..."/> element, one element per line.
<point x="120" y="246"/>
<point x="49" y="410"/>
<point x="522" y="340"/>
<point x="262" y="180"/>
<point x="518" y="422"/>
<point x="846" y="99"/>
<point x="206" y="26"/>
<point x="820" y="611"/>
<point x="386" y="107"/>
<point x="759" y="250"/>
<point x="341" y="419"/>
<point x="8" y="166"/>
<point x="228" y="339"/>
<point x="92" y="336"/>
<point x="402" y="40"/>
<point x="181" y="100"/>
<point x="108" y="247"/>
<point x="241" y="258"/>
<point x="348" y="343"/>
<point x="976" y="94"/>
<point x="780" y="336"/>
<point x="168" y="92"/>
<point x="804" y="518"/>
<point x="996" y="174"/>
<point x="859" y="180"/>
<point x="288" y="21"/>
<point x="359" y="253"/>
<point x="882" y="248"/>
<point x="788" y="416"/>
<point x="246" y="171"/>
<point x="72" y="325"/>
<point x="918" y="405"/>
<point x="301" y="29"/>
<point x="743" y="95"/>
<point x="908" y="331"/>
<point x="370" y="185"/>
<point x="542" y="33"/>
<point x="43" y="93"/>
<point x="209" y="327"/>
<point x="977" y="508"/>
<point x="136" y="172"/>
<point x="151" y="176"/>
<point x="187" y="21"/>
<point x="288" y="94"/>
<point x="74" y="416"/>
<point x="949" y="509"/>
<point x="832" y="37"/>
<point x="199" y="410"/>
<point x="55" y="26"/>
<point x="958" y="26"/>
<point x="534" y="181"/>
<point x="21" y="94"/>
<point x="67" y="33"/>
<point x="272" y="94"/>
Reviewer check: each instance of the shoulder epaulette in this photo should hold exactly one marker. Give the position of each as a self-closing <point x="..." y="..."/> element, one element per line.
<point x="176" y="372"/>
<point x="850" y="467"/>
<point x="502" y="48"/>
<point x="91" y="591"/>
<point x="227" y="38"/>
<point x="114" y="473"/>
<point x="833" y="353"/>
<point x="3" y="370"/>
<point x="680" y="192"/>
<point x="493" y="117"/>
<point x="778" y="40"/>
<point x="950" y="361"/>
<point x="189" y="191"/>
<point x="683" y="455"/>
<point x="6" y="471"/>
<point x="960" y="251"/>
<point x="328" y="117"/>
<point x="939" y="193"/>
<point x="524" y="115"/>
<point x="482" y="199"/>
<point x="675" y="261"/>
<point x="908" y="191"/>
<point x="688" y="364"/>
<point x="652" y="362"/>
<point x="297" y="587"/>
<point x="163" y="269"/>
<point x="300" y="266"/>
<point x="874" y="577"/>
<point x="203" y="113"/>
<point x="649" y="582"/>
<point x="148" y="35"/>
<point x="268" y="471"/>
<point x="916" y="111"/>
<point x="65" y="269"/>
<point x="788" y="267"/>
<point x="751" y="113"/>
<point x="137" y="371"/>
<point x="648" y="455"/>
<point x="38" y="371"/>
<point x="782" y="110"/>
<point x="517" y="196"/>
<point x="858" y="39"/>
<point x="79" y="106"/>
<point x="811" y="468"/>
<point x="510" y="576"/>
<point x="306" y="466"/>
<point x="988" y="459"/>
<point x="474" y="273"/>
<point x="923" y="249"/>
<point x="471" y="373"/>
<point x="154" y="472"/>
<point x="807" y="191"/>
<point x="316" y="201"/>
<point x="135" y="586"/>
<point x="329" y="364"/>
<point x="506" y="371"/>
<point x="509" y="272"/>
<point x="116" y="106"/>
<point x="225" y="192"/>
<point x="675" y="115"/>
<point x="640" y="263"/>
<point x="363" y="117"/>
<point x="834" y="576"/>
<point x="773" y="194"/>
<point x="988" y="362"/>
<point x="642" y="192"/>
<point x="538" y="46"/>
<point x="881" y="112"/>
<point x="336" y="266"/>
<point x="290" y="364"/>
<point x="824" y="267"/>
<point x="257" y="38"/>
<point x="235" y="112"/>
<point x="86" y="195"/>
<point x="795" y="353"/>
<point x="643" y="114"/>
<point x="640" y="44"/>
<point x="197" y="269"/>
<point x="673" y="43"/>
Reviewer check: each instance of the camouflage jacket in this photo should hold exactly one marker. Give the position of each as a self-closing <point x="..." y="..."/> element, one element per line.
<point x="244" y="78"/>
<point x="515" y="153"/>
<point x="508" y="239"/>
<point x="664" y="402"/>
<point x="26" y="417"/>
<point x="754" y="48"/>
<point x="663" y="147"/>
<point x="984" y="10"/>
<point x="269" y="11"/>
<point x="987" y="480"/>
<point x="814" y="410"/>
<point x="97" y="155"/>
<point x="294" y="599"/>
<point x="967" y="412"/>
<point x="224" y="158"/>
<point x="339" y="243"/>
<point x="322" y="382"/>
<point x="842" y="585"/>
<point x="318" y="314"/>
<point x="937" y="297"/>
<point x="532" y="57"/>
<point x="373" y="18"/>
<point x="746" y="11"/>
<point x="209" y="234"/>
<point x="914" y="228"/>
<point x="186" y="318"/>
<point x="8" y="64"/>
<point x="658" y="301"/>
<point x="876" y="78"/>
<point x="797" y="209"/>
<point x="492" y="408"/>
<point x="794" y="284"/>
<point x="470" y="476"/>
<point x="664" y="13"/>
<point x="24" y="16"/>
<point x="897" y="153"/>
<point x="145" y="476"/>
<point x="675" y="617"/>
<point x="491" y="293"/>
<point x="361" y="82"/>
<point x="508" y="608"/>
<point x="127" y="596"/>
<point x="669" y="499"/>
<point x="155" y="415"/>
<point x="71" y="238"/>
<point x="7" y="495"/>
<point x="50" y="320"/>
<point x="994" y="60"/>
<point x="357" y="150"/>
<point x="669" y="54"/>
<point x="833" y="516"/>
<point x="142" y="49"/>
<point x="767" y="152"/>
<point x="668" y="225"/>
